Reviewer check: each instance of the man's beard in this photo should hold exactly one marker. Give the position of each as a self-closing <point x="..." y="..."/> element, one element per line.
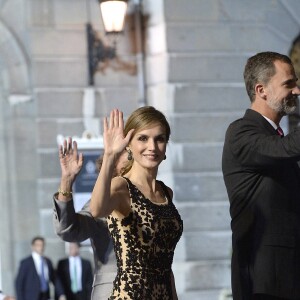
<point x="287" y="106"/>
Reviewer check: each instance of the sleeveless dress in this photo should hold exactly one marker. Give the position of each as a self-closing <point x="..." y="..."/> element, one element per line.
<point x="144" y="244"/>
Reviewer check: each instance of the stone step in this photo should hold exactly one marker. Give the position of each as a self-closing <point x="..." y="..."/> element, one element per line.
<point x="192" y="37"/>
<point x="192" y="157"/>
<point x="207" y="245"/>
<point x="51" y="98"/>
<point x="219" y="294"/>
<point x="204" y="127"/>
<point x="203" y="98"/>
<point x="73" y="72"/>
<point x="202" y="275"/>
<point x="208" y="186"/>
<point x="195" y="68"/>
<point x="200" y="216"/>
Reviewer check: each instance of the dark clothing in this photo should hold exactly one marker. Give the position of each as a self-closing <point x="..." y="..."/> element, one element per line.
<point x="267" y="297"/>
<point x="144" y="243"/>
<point x="63" y="273"/>
<point x="28" y="285"/>
<point x="262" y="178"/>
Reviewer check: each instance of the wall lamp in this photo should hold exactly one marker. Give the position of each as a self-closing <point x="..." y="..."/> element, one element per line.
<point x="113" y="15"/>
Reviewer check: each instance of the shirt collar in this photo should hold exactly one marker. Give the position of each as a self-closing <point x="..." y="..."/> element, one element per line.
<point x="271" y="122"/>
<point x="35" y="255"/>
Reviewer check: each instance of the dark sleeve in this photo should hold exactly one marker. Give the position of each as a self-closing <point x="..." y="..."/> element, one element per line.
<point x="20" y="281"/>
<point x="75" y="227"/>
<point x="55" y="279"/>
<point x="254" y="146"/>
<point x="89" y="278"/>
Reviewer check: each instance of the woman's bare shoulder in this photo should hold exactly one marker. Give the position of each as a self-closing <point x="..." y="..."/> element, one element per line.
<point x="119" y="184"/>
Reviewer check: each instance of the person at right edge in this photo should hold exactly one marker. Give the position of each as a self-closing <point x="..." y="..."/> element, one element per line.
<point x="262" y="178"/>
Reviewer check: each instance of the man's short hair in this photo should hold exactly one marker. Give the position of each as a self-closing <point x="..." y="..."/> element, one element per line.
<point x="37" y="238"/>
<point x="260" y="68"/>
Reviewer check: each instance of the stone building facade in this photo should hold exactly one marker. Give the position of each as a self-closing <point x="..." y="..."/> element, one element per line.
<point x="194" y="54"/>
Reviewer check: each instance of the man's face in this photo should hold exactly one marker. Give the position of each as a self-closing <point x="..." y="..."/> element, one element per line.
<point x="73" y="249"/>
<point x="282" y="91"/>
<point x="38" y="246"/>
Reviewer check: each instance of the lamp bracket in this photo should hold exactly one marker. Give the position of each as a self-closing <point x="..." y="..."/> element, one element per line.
<point x="97" y="52"/>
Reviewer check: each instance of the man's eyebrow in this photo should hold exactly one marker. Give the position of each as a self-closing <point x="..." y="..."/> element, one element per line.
<point x="290" y="81"/>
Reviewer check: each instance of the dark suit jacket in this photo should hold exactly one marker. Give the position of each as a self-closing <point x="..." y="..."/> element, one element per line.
<point x="63" y="273"/>
<point x="262" y="178"/>
<point x="28" y="281"/>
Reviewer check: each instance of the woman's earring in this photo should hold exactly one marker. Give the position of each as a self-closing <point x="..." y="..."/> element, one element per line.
<point x="129" y="156"/>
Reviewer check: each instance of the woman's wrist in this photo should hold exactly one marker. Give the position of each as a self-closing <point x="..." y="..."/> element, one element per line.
<point x="66" y="193"/>
<point x="65" y="188"/>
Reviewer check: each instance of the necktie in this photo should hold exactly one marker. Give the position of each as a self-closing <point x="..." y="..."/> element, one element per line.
<point x="280" y="131"/>
<point x="74" y="278"/>
<point x="44" y="283"/>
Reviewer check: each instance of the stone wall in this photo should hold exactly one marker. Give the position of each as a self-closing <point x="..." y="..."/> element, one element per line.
<point x="195" y="53"/>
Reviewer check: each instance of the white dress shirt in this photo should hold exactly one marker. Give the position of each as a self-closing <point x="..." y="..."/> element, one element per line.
<point x="38" y="265"/>
<point x="271" y="122"/>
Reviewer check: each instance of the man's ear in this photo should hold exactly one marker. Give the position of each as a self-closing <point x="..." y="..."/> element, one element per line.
<point x="260" y="91"/>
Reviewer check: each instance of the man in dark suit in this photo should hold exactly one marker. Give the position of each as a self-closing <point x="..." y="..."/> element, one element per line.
<point x="262" y="178"/>
<point x="35" y="273"/>
<point x="75" y="274"/>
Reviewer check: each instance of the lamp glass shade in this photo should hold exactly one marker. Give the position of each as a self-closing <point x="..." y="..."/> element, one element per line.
<point x="113" y="15"/>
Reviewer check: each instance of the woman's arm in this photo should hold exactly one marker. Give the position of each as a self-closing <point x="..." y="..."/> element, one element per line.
<point x="106" y="193"/>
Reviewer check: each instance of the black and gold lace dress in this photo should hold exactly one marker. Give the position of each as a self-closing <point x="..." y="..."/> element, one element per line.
<point x="144" y="243"/>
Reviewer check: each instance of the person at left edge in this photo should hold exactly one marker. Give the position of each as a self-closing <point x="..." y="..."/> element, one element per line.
<point x="6" y="297"/>
<point x="35" y="274"/>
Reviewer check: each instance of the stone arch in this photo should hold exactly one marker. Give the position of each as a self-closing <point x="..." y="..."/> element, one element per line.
<point x="15" y="87"/>
<point x="14" y="63"/>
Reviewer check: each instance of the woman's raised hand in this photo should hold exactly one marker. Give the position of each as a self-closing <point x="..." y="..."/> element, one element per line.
<point x="113" y="134"/>
<point x="70" y="161"/>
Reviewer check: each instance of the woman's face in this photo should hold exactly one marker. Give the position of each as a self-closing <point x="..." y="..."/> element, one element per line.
<point x="148" y="146"/>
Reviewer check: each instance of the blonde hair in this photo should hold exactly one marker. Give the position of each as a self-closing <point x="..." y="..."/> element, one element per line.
<point x="142" y="118"/>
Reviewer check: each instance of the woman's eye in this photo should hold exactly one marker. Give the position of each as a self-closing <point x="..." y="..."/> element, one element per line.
<point x="161" y="139"/>
<point x="142" y="138"/>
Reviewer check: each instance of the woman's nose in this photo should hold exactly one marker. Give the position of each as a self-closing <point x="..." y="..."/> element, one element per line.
<point x="151" y="144"/>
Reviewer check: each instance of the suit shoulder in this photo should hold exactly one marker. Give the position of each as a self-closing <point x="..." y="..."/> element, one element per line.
<point x="86" y="261"/>
<point x="26" y="259"/>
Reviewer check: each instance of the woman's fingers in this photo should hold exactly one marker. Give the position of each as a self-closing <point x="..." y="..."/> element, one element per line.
<point x="120" y="120"/>
<point x="111" y="119"/>
<point x="69" y="144"/>
<point x="66" y="147"/>
<point x="115" y="119"/>
<point x="60" y="151"/>
<point x="75" y="148"/>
